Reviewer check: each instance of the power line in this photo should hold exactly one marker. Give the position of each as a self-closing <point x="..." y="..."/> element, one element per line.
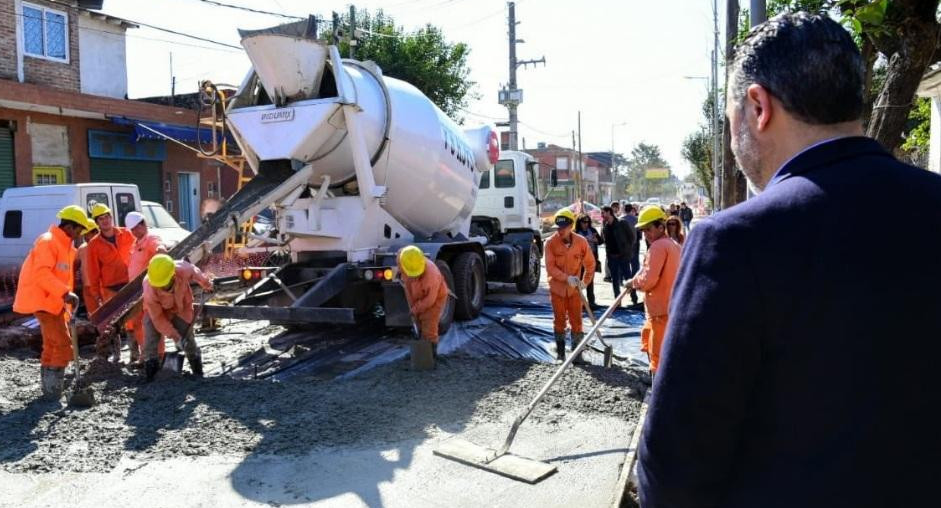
<point x="249" y="9"/>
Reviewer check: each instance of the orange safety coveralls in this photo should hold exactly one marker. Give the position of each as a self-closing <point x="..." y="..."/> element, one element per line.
<point x="142" y="252"/>
<point x="656" y="280"/>
<point x="107" y="264"/>
<point x="162" y="305"/>
<point x="427" y="295"/>
<point x="563" y="261"/>
<point x="45" y="278"/>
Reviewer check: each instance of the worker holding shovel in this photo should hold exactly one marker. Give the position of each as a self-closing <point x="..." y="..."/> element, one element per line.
<point x="45" y="288"/>
<point x="426" y="292"/>
<point x="146" y="246"/>
<point x="568" y="261"/>
<point x="168" y="308"/>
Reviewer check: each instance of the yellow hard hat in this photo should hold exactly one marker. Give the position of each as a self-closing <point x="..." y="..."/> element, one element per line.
<point x="75" y="214"/>
<point x="650" y="214"/>
<point x="160" y="270"/>
<point x="99" y="209"/>
<point x="564" y="217"/>
<point x="412" y="260"/>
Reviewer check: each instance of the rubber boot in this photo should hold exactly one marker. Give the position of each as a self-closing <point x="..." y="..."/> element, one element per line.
<point x="576" y="340"/>
<point x="150" y="369"/>
<point x="196" y="364"/>
<point x="116" y="349"/>
<point x="634" y="297"/>
<point x="434" y="351"/>
<point x="135" y="353"/>
<point x="560" y="347"/>
<point x="52" y="382"/>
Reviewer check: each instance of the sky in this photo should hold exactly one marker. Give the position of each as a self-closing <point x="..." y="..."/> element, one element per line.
<point x="623" y="63"/>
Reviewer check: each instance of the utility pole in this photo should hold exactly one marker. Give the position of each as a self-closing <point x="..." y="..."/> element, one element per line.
<point x="352" y="31"/>
<point x="510" y="96"/>
<point x="581" y="166"/>
<point x="716" y="166"/>
<point x="172" y="83"/>
<point x="576" y="178"/>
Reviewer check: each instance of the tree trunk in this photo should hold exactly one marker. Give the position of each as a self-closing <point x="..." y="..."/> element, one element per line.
<point x="909" y="54"/>
<point x="731" y="176"/>
<point x="869" y="60"/>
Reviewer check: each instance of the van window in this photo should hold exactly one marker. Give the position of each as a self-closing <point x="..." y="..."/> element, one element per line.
<point x="504" y="176"/>
<point x="96" y="197"/>
<point x="485" y="180"/>
<point x="530" y="179"/>
<point x="125" y="202"/>
<point x="13" y="224"/>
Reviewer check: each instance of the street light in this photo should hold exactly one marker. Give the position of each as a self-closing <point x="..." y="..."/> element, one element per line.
<point x="614" y="180"/>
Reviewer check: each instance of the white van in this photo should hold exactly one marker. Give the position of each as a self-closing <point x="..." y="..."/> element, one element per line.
<point x="27" y="212"/>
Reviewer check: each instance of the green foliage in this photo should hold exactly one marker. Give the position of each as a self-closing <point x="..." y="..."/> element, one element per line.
<point x="775" y="7"/>
<point x="919" y="130"/>
<point x="422" y="57"/>
<point x="697" y="150"/>
<point x="642" y="157"/>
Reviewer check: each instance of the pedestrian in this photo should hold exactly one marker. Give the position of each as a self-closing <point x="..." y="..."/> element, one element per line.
<point x="675" y="229"/>
<point x="108" y="255"/>
<point x="570" y="265"/>
<point x="619" y="244"/>
<point x="794" y="373"/>
<point x="168" y="311"/>
<point x="44" y="289"/>
<point x="686" y="215"/>
<point x="674" y="210"/>
<point x="81" y="259"/>
<point x="655" y="279"/>
<point x="630" y="219"/>
<point x="426" y="291"/>
<point x="588" y="232"/>
<point x="146" y="246"/>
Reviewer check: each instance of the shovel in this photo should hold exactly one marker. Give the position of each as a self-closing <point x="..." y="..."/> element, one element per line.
<point x="173" y="360"/>
<point x="608" y="350"/>
<point x="81" y="396"/>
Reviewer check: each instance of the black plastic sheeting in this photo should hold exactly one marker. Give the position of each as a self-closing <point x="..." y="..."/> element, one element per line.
<point x="524" y="331"/>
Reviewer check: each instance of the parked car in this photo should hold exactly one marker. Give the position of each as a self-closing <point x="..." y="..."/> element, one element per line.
<point x="591" y="210"/>
<point x="162" y="224"/>
<point x="653" y="201"/>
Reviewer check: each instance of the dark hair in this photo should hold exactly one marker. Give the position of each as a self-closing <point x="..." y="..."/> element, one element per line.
<point x="583" y="218"/>
<point x="65" y="222"/>
<point x="615" y="204"/>
<point x="607" y="209"/>
<point x="808" y="62"/>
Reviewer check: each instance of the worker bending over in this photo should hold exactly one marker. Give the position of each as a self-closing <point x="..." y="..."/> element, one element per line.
<point x="655" y="279"/>
<point x="108" y="256"/>
<point x="168" y="310"/>
<point x="44" y="289"/>
<point x="146" y="246"/>
<point x="425" y="290"/>
<point x="568" y="256"/>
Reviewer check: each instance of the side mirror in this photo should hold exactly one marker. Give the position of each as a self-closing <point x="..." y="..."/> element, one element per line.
<point x="554" y="177"/>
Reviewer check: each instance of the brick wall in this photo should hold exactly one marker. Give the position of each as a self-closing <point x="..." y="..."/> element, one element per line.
<point x="52" y="73"/>
<point x="7" y="39"/>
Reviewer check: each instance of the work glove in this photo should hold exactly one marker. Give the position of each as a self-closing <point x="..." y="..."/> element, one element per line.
<point x="71" y="298"/>
<point x="581" y="284"/>
<point x="574" y="281"/>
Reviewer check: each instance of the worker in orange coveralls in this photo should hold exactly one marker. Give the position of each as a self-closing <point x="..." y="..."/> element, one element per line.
<point x="81" y="259"/>
<point x="656" y="279"/>
<point x="146" y="246"/>
<point x="568" y="257"/>
<point x="44" y="289"/>
<point x="425" y="290"/>
<point x="108" y="257"/>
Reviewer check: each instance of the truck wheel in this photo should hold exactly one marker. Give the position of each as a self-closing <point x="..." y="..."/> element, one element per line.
<point x="447" y="315"/>
<point x="470" y="285"/>
<point x="528" y="281"/>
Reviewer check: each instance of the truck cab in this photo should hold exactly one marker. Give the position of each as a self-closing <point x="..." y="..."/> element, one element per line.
<point x="507" y="197"/>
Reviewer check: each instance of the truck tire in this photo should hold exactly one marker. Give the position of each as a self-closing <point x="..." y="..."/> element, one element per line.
<point x="447" y="315"/>
<point x="470" y="285"/>
<point x="528" y="281"/>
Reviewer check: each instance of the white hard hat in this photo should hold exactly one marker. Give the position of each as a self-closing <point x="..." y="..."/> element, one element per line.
<point x="133" y="219"/>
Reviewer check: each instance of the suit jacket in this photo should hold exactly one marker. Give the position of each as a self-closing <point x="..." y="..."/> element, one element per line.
<point x="801" y="366"/>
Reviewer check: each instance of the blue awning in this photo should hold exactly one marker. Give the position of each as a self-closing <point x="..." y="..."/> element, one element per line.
<point x="186" y="134"/>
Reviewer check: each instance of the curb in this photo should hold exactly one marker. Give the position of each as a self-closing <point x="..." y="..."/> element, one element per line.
<point x="627" y="477"/>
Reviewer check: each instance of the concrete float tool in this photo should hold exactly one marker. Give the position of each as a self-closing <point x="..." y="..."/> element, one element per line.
<point x="501" y="461"/>
<point x="82" y="396"/>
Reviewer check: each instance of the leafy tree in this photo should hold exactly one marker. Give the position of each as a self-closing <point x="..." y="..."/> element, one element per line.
<point x="422" y="57"/>
<point x="919" y="127"/>
<point x="646" y="156"/>
<point x="697" y="149"/>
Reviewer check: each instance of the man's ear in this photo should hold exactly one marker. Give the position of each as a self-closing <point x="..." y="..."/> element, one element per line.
<point x="759" y="106"/>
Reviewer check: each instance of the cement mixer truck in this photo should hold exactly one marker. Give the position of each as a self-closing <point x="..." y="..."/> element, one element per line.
<point x="370" y="165"/>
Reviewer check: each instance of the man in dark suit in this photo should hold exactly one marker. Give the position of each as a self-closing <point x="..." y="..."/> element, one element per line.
<point x="797" y="371"/>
